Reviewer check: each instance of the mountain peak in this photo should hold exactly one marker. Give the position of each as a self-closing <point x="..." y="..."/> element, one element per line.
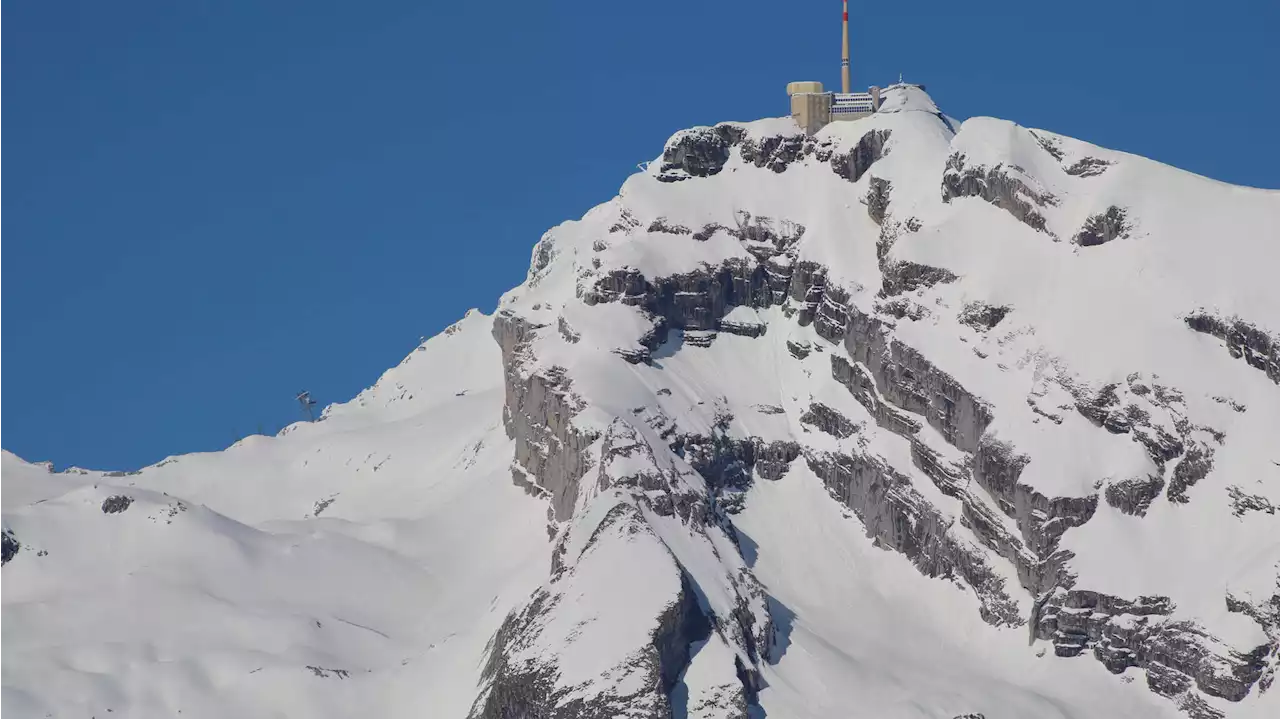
<point x="912" y="416"/>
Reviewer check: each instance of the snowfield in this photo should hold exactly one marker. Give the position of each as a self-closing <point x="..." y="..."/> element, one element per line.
<point x="911" y="418"/>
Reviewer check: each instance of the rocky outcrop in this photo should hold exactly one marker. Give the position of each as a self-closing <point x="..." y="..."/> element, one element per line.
<point x="997" y="186"/>
<point x="828" y="420"/>
<point x="852" y="165"/>
<point x="1134" y="495"/>
<point x="1242" y="502"/>
<point x="776" y="152"/>
<point x="700" y="152"/>
<point x="982" y="316"/>
<point x="116" y="504"/>
<point x="877" y="199"/>
<point x="909" y="381"/>
<point x="1177" y="655"/>
<point x="662" y="225"/>
<point x="1154" y="417"/>
<point x="703" y="152"/>
<point x="729" y="464"/>
<point x="1088" y="167"/>
<point x="1051" y="145"/>
<point x="1194" y="467"/>
<point x="514" y="688"/>
<point x="1258" y="347"/>
<point x="10" y="546"/>
<point x="898" y="517"/>
<point x="900" y="276"/>
<point x="538" y="415"/>
<point x="1104" y="227"/>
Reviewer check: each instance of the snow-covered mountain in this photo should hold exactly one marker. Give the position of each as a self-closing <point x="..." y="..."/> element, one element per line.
<point x="910" y="418"/>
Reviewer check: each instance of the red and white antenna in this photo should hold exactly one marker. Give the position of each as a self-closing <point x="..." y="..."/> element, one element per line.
<point x="844" y="57"/>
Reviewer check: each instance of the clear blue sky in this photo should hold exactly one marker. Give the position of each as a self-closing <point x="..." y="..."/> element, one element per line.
<point x="210" y="206"/>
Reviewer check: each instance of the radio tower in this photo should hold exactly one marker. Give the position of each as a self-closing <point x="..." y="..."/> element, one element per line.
<point x="844" y="57"/>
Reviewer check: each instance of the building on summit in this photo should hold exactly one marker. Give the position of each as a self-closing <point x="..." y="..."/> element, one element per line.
<point x="812" y="108"/>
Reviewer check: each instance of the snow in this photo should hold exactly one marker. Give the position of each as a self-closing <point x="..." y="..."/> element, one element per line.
<point x="864" y="629"/>
<point x="217" y="610"/>
<point x="362" y="563"/>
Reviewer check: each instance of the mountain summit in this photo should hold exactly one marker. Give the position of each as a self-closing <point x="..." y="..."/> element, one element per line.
<point x="906" y="418"/>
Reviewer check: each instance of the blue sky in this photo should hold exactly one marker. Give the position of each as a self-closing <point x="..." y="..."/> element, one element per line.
<point x="210" y="205"/>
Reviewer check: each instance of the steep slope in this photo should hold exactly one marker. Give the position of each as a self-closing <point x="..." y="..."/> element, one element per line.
<point x="1044" y="376"/>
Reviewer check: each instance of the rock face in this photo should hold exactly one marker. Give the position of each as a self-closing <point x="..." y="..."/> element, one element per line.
<point x="11" y="546"/>
<point x="1103" y="227"/>
<point x="116" y="504"/>
<point x="999" y="186"/>
<point x="1259" y="348"/>
<point x="1008" y="547"/>
<point x="699" y="153"/>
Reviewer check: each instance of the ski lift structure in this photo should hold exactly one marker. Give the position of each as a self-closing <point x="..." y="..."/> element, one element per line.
<point x="307" y="404"/>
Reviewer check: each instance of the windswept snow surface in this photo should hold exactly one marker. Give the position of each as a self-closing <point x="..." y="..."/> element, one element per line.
<point x="911" y="418"/>
<point x="381" y="546"/>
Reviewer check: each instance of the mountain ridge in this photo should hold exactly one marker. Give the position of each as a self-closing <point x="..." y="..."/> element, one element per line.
<point x="1006" y="356"/>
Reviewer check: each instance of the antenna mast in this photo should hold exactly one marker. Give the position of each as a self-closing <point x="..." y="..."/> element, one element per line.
<point x="844" y="57"/>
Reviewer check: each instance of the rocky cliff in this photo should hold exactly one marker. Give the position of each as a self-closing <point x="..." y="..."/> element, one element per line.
<point x="987" y="440"/>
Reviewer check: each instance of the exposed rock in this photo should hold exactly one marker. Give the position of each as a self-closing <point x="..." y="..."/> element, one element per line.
<point x="763" y="236"/>
<point x="1104" y="227"/>
<point x="776" y="152"/>
<point x="708" y="230"/>
<point x="1197" y="708"/>
<point x="9" y="545"/>
<point x="1140" y="633"/>
<point x="773" y="459"/>
<point x="626" y="222"/>
<point x="636" y="355"/>
<point x="1134" y="495"/>
<point x="901" y="308"/>
<point x="1242" y="502"/>
<point x="877" y="200"/>
<point x="662" y="225"/>
<point x="852" y="165"/>
<point x="1051" y="145"/>
<point x="116" y="504"/>
<point x="826" y="419"/>
<point x="996" y="186"/>
<point x="1194" y="467"/>
<point x="700" y="152"/>
<point x="900" y="518"/>
<point x="901" y="276"/>
<point x="911" y="382"/>
<point x="517" y="682"/>
<point x="982" y="316"/>
<point x="569" y="334"/>
<point x="1088" y="167"/>
<point x="538" y="415"/>
<point x="1259" y="347"/>
<point x="727" y="463"/>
